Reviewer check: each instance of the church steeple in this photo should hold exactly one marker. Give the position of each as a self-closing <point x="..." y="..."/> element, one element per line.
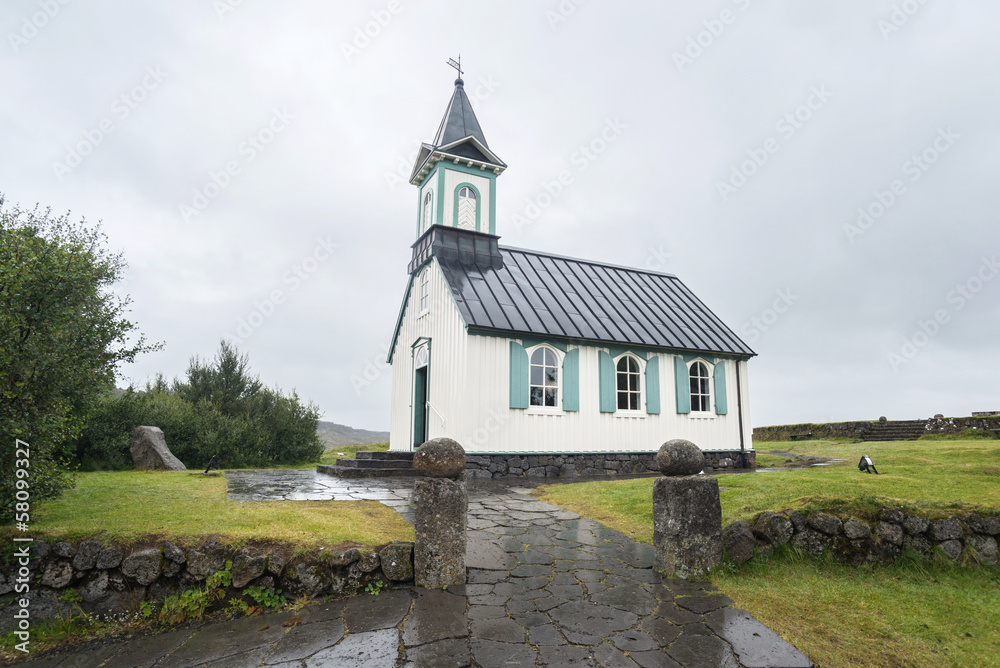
<point x="456" y="173"/>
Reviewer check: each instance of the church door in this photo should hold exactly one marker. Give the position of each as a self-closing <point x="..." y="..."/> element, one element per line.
<point x="420" y="399"/>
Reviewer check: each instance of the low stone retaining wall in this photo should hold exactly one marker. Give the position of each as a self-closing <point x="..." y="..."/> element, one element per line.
<point x="856" y="540"/>
<point x="856" y="430"/>
<point x="569" y="465"/>
<point x="108" y="580"/>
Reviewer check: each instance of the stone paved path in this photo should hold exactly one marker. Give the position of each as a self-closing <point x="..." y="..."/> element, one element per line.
<point x="546" y="588"/>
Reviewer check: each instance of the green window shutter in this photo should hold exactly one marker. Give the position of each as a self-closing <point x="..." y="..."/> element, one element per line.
<point x="720" y="388"/>
<point x="606" y="366"/>
<point x="683" y="387"/>
<point x="518" y="376"/>
<point x="571" y="380"/>
<point x="653" y="385"/>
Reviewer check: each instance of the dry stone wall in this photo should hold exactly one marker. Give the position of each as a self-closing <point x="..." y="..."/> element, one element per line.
<point x="109" y="580"/>
<point x="591" y="464"/>
<point x="857" y="540"/>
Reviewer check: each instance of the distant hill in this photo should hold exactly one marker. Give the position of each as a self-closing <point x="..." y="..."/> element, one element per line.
<point x="333" y="435"/>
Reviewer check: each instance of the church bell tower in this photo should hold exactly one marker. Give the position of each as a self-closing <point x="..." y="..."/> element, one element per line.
<point x="456" y="174"/>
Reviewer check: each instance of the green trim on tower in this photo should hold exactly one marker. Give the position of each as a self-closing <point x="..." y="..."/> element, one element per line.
<point x="479" y="203"/>
<point x="571" y="381"/>
<point x="682" y="385"/>
<point x="439" y="214"/>
<point x="653" y="385"/>
<point x="493" y="206"/>
<point x="721" y="405"/>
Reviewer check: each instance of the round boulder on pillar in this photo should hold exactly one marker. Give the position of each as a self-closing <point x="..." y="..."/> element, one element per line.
<point x="678" y="457"/>
<point x="440" y="458"/>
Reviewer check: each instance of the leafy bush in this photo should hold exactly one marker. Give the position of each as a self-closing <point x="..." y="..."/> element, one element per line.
<point x="220" y="410"/>
<point x="62" y="334"/>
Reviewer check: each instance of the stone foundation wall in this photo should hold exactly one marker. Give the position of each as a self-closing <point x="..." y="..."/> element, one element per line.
<point x="108" y="580"/>
<point x="571" y="465"/>
<point x="857" y="540"/>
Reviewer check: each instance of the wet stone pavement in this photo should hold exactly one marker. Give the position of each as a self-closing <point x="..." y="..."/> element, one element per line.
<point x="546" y="588"/>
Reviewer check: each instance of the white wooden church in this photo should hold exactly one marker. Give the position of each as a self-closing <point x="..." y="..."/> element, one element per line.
<point x="511" y="351"/>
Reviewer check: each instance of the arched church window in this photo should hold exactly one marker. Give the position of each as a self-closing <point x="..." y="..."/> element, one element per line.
<point x="425" y="290"/>
<point x="428" y="208"/>
<point x="543" y="386"/>
<point x="627" y="376"/>
<point x="467" y="203"/>
<point x="701" y="394"/>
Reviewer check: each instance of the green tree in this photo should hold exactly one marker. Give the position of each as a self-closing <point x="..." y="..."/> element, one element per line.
<point x="221" y="409"/>
<point x="62" y="334"/>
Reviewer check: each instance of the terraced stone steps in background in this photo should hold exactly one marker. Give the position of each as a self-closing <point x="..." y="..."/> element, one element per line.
<point x="895" y="430"/>
<point x="368" y="464"/>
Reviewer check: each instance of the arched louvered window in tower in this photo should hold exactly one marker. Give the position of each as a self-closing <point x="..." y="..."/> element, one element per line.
<point x="467" y="204"/>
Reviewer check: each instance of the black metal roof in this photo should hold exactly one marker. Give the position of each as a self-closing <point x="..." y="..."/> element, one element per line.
<point x="546" y="295"/>
<point x="459" y="120"/>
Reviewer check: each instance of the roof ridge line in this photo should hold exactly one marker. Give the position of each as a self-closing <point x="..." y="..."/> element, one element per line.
<point x="585" y="261"/>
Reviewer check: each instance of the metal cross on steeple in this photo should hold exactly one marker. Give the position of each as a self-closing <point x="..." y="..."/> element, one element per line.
<point x="457" y="65"/>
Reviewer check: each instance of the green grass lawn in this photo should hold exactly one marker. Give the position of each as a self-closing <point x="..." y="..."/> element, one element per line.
<point x="890" y="615"/>
<point x="331" y="455"/>
<point x="127" y="506"/>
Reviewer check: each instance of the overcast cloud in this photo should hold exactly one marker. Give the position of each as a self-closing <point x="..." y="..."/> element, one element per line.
<point x="251" y="157"/>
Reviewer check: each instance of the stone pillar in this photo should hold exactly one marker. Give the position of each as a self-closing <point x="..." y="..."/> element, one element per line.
<point x="687" y="513"/>
<point x="440" y="505"/>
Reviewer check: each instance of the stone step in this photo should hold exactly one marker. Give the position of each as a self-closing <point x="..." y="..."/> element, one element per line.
<point x="376" y="463"/>
<point x="352" y="472"/>
<point x="382" y="455"/>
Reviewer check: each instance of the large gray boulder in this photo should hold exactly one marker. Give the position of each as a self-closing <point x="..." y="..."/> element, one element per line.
<point x="678" y="457"/>
<point x="150" y="451"/>
<point x="440" y="458"/>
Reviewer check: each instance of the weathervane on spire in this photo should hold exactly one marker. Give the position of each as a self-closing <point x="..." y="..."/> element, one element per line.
<point x="457" y="65"/>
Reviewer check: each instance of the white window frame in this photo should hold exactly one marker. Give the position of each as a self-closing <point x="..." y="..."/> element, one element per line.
<point x="641" y="363"/>
<point x="547" y="410"/>
<point x="424" y="291"/>
<point x="427" y="212"/>
<point x="710" y="368"/>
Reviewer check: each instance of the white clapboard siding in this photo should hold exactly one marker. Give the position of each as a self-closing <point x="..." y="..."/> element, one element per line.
<point x="469" y="387"/>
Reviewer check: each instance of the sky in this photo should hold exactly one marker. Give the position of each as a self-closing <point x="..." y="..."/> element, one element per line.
<point x="822" y="175"/>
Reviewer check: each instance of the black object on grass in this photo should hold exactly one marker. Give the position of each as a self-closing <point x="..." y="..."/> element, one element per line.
<point x="867" y="465"/>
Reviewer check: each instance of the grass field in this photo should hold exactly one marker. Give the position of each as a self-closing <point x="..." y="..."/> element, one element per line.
<point x="126" y="506"/>
<point x="331" y="455"/>
<point x="907" y="614"/>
